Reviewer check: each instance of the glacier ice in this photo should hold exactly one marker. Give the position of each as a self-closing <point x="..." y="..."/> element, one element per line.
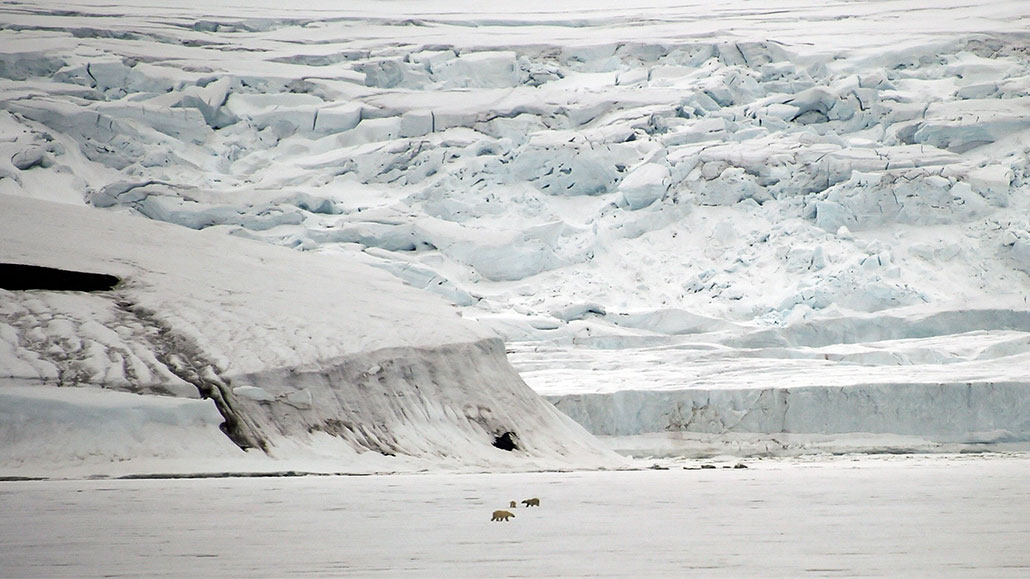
<point x="580" y="181"/>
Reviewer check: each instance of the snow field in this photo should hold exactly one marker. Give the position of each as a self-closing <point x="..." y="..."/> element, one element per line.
<point x="89" y="431"/>
<point x="954" y="516"/>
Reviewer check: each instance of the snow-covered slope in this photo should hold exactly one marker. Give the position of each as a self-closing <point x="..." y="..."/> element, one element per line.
<point x="677" y="201"/>
<point x="292" y="351"/>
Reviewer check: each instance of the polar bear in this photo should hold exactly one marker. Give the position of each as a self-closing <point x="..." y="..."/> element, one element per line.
<point x="501" y="516"/>
<point x="534" y="502"/>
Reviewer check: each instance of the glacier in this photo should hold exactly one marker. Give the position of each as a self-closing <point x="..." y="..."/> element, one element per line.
<point x="684" y="222"/>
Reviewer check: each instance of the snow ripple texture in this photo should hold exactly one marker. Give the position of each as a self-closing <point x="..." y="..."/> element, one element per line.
<point x="674" y="199"/>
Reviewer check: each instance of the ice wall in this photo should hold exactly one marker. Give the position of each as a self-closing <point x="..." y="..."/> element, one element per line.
<point x="945" y="375"/>
<point x="453" y="403"/>
<point x="980" y="412"/>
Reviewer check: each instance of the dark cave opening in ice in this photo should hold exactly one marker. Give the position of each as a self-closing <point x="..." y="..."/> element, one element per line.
<point x="506" y="441"/>
<point x="16" y="276"/>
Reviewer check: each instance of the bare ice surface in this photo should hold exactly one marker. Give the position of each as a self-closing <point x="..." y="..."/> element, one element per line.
<point x="901" y="516"/>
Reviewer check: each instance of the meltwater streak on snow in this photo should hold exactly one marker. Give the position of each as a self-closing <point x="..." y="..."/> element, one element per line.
<point x="672" y="201"/>
<point x="892" y="517"/>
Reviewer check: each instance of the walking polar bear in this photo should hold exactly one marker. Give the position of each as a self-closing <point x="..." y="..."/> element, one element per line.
<point x="534" y="502"/>
<point x="501" y="516"/>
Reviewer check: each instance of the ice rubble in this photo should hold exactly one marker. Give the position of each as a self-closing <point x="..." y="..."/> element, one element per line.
<point x="293" y="354"/>
<point x="587" y="179"/>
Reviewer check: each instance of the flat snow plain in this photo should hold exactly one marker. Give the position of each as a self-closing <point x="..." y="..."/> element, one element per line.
<point x="899" y="516"/>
